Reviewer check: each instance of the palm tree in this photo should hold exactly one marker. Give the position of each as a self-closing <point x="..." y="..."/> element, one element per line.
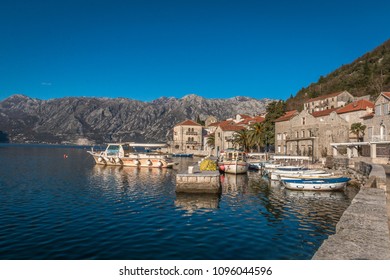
<point x="211" y="140"/>
<point x="358" y="129"/>
<point x="243" y="139"/>
<point x="257" y="134"/>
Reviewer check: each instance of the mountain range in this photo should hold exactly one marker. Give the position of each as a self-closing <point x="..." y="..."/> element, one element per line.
<point x="83" y="120"/>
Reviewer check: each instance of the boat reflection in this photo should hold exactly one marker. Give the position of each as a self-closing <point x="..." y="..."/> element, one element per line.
<point x="234" y="183"/>
<point x="315" y="194"/>
<point x="191" y="202"/>
<point x="131" y="177"/>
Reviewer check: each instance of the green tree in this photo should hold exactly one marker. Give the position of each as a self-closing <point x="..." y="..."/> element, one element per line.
<point x="358" y="129"/>
<point x="243" y="139"/>
<point x="211" y="140"/>
<point x="256" y="131"/>
<point x="275" y="110"/>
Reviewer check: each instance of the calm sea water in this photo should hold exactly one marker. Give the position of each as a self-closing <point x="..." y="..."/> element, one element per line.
<point x="53" y="207"/>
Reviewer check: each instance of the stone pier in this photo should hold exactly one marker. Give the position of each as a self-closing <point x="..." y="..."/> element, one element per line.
<point x="198" y="182"/>
<point x="363" y="230"/>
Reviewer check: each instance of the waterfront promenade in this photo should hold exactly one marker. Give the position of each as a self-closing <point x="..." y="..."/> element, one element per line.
<point x="363" y="229"/>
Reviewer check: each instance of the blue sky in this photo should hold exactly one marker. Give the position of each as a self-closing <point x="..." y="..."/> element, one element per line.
<point x="145" y="49"/>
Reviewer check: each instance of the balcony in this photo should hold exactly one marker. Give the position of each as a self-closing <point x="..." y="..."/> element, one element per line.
<point x="192" y="142"/>
<point x="379" y="138"/>
<point x="191" y="133"/>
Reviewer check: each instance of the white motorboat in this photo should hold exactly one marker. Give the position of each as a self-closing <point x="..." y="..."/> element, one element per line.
<point x="233" y="162"/>
<point x="332" y="183"/>
<point x="123" y="154"/>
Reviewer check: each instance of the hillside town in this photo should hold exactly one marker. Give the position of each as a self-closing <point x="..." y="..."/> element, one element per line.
<point x="336" y="124"/>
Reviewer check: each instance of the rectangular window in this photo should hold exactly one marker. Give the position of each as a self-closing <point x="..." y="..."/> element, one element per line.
<point x="385" y="109"/>
<point x="378" y="110"/>
<point x="279" y="149"/>
<point x="303" y="134"/>
<point x="370" y="133"/>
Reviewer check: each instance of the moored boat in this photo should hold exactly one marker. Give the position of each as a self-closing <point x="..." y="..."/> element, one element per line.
<point x="277" y="174"/>
<point x="233" y="162"/>
<point x="316" y="184"/>
<point x="122" y="154"/>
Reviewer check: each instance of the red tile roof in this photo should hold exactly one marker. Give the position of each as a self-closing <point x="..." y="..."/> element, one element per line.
<point x="231" y="127"/>
<point x="355" y="106"/>
<point x="325" y="96"/>
<point x="322" y="113"/>
<point x="287" y="116"/>
<point x="224" y="123"/>
<point x="189" y="122"/>
<point x="214" y="124"/>
<point x="244" y="116"/>
<point x="386" y="94"/>
<point x="257" y="119"/>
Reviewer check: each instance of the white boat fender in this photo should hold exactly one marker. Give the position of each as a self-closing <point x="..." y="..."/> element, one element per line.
<point x="149" y="162"/>
<point x="136" y="162"/>
<point x="117" y="160"/>
<point x="159" y="164"/>
<point x="100" y="159"/>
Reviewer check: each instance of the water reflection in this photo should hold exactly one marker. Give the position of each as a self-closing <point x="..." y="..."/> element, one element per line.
<point x="192" y="202"/>
<point x="234" y="183"/>
<point x="315" y="194"/>
<point x="73" y="209"/>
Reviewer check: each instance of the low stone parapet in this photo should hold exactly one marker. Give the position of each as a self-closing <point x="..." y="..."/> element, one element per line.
<point x="198" y="182"/>
<point x="363" y="231"/>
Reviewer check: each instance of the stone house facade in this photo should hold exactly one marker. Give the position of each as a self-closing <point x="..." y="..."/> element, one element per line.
<point x="329" y="101"/>
<point x="224" y="135"/>
<point x="187" y="137"/>
<point x="378" y="128"/>
<point x="306" y="135"/>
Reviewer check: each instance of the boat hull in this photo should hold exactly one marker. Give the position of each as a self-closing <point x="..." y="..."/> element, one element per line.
<point x="234" y="167"/>
<point x="318" y="184"/>
<point x="133" y="160"/>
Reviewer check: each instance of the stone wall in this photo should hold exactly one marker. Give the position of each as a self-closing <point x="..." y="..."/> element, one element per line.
<point x="363" y="231"/>
<point x="199" y="182"/>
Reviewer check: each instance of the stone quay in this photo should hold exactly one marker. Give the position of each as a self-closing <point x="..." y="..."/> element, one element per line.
<point x="198" y="182"/>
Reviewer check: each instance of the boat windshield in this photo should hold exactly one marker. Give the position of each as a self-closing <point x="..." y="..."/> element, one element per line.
<point x="112" y="150"/>
<point x="234" y="156"/>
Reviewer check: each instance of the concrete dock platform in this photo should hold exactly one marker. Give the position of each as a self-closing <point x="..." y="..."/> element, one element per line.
<point x="198" y="182"/>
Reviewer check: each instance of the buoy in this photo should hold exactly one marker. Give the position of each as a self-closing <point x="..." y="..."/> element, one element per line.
<point x="65" y="156"/>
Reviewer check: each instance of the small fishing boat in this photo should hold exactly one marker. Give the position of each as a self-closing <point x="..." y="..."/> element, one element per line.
<point x="123" y="154"/>
<point x="277" y="174"/>
<point x="316" y="184"/>
<point x="233" y="162"/>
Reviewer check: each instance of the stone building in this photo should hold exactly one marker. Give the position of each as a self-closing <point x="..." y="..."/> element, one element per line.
<point x="378" y="129"/>
<point x="224" y="135"/>
<point x="329" y="101"/>
<point x="303" y="134"/>
<point x="187" y="137"/>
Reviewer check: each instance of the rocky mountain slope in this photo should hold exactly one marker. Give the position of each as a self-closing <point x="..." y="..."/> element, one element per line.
<point x="367" y="75"/>
<point x="100" y="120"/>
